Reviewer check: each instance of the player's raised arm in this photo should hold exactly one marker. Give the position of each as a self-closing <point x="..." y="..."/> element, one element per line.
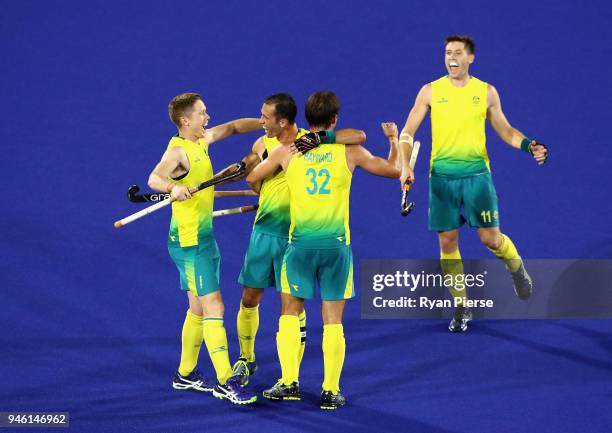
<point x="359" y="156"/>
<point x="406" y="138"/>
<point x="172" y="160"/>
<point x="238" y="126"/>
<point x="390" y="131"/>
<point x="509" y="134"/>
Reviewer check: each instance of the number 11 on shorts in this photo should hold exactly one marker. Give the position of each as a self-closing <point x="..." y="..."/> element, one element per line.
<point x="486" y="216"/>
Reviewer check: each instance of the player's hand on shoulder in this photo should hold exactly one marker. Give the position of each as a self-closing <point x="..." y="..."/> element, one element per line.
<point x="539" y="151"/>
<point x="180" y="192"/>
<point x="306" y="143"/>
<point x="389" y="129"/>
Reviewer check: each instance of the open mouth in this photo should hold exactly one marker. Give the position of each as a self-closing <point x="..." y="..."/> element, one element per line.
<point x="453" y="65"/>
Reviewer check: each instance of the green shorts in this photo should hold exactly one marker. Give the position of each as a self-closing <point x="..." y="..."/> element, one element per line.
<point x="198" y="266"/>
<point x="263" y="261"/>
<point x="475" y="193"/>
<point x="332" y="268"/>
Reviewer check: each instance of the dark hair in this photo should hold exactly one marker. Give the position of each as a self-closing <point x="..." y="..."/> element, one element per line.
<point x="321" y="108"/>
<point x="284" y="106"/>
<point x="182" y="105"/>
<point x="467" y="41"/>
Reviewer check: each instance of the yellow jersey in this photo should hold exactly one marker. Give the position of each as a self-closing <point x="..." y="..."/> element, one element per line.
<point x="273" y="213"/>
<point x="458" y="116"/>
<point x="319" y="185"/>
<point x="192" y="218"/>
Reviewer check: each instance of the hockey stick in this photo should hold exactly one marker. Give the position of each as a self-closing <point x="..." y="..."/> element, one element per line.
<point x="155" y="197"/>
<point x="240" y="169"/>
<point x="235" y="210"/>
<point x="406" y="207"/>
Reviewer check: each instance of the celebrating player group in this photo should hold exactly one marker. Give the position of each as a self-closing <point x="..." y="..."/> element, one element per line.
<point x="301" y="238"/>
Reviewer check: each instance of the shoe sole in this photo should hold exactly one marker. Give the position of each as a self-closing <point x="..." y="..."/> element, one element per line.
<point x="523" y="296"/>
<point x="269" y="397"/>
<point x="460" y="329"/>
<point x="240" y="402"/>
<point x="181" y="387"/>
<point x="330" y="407"/>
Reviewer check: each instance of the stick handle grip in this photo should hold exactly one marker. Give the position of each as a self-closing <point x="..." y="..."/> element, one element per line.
<point x="146" y="211"/>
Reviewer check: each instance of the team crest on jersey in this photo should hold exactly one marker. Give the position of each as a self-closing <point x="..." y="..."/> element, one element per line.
<point x="476" y="100"/>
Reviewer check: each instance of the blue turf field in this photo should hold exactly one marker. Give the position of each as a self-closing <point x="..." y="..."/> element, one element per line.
<point x="91" y="316"/>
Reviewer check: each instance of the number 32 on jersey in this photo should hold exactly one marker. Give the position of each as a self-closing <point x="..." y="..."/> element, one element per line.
<point x="318" y="181"/>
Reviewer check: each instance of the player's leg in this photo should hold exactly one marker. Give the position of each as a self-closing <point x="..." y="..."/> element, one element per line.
<point x="504" y="249"/>
<point x="445" y="200"/>
<point x="336" y="281"/>
<point x="334" y="349"/>
<point x="297" y="284"/>
<point x="257" y="273"/>
<point x="203" y="281"/>
<point x="247" y="324"/>
<point x="450" y="260"/>
<point x="278" y="249"/>
<point x="187" y="377"/>
<point x="451" y="264"/>
<point x="302" y="317"/>
<point x="482" y="212"/>
<point x="288" y="345"/>
<point x="288" y="338"/>
<point x="248" y="321"/>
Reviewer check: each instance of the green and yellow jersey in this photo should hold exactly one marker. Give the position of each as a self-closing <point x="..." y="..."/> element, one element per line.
<point x="458" y="116"/>
<point x="192" y="219"/>
<point x="319" y="184"/>
<point x="273" y="213"/>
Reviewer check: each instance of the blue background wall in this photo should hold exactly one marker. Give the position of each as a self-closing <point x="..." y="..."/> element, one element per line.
<point x="91" y="316"/>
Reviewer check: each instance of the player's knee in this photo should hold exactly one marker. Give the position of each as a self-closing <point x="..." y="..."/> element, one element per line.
<point x="490" y="240"/>
<point x="251" y="297"/>
<point x="196" y="309"/>
<point x="332" y="319"/>
<point x="449" y="242"/>
<point x="213" y="307"/>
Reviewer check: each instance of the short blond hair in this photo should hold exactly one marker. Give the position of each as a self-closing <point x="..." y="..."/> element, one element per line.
<point x="182" y="105"/>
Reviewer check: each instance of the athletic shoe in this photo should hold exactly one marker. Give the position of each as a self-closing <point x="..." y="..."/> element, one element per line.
<point x="281" y="391"/>
<point x="244" y="369"/>
<point x="332" y="401"/>
<point x="192" y="381"/>
<point x="232" y="391"/>
<point x="461" y="317"/>
<point x="523" y="285"/>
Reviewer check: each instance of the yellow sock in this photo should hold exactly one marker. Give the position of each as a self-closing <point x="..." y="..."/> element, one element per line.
<point x="334" y="347"/>
<point x="247" y="325"/>
<point x="508" y="253"/>
<point x="216" y="343"/>
<point x="302" y="318"/>
<point x="288" y="345"/>
<point x="191" y="341"/>
<point x="452" y="265"/>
